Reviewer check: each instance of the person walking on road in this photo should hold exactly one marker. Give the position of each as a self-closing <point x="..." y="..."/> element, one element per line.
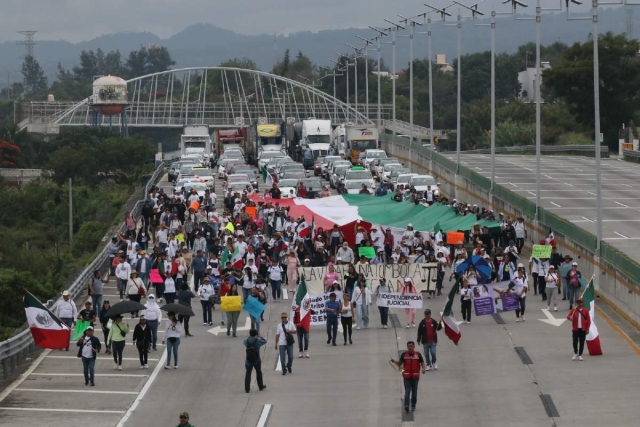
<point x="333" y="309"/>
<point x="116" y="340"/>
<point x="410" y="313"/>
<point x="123" y="272"/>
<point x="411" y="362"/>
<point x="303" y="335"/>
<point x="285" y="341"/>
<point x="66" y="311"/>
<point x="184" y="297"/>
<point x="96" y="285"/>
<point x="384" y="311"/>
<point x="142" y="338"/>
<point x="551" y="287"/>
<point x="135" y="290"/>
<point x="520" y="289"/>
<point x="572" y="283"/>
<point x="362" y="301"/>
<point x="232" y="316"/>
<point x="580" y="321"/>
<point x="172" y="332"/>
<point x="88" y="351"/>
<point x="275" y="278"/>
<point x="205" y="292"/>
<point x="428" y="337"/>
<point x="184" y="420"/>
<point x="153" y="314"/>
<point x="252" y="359"/>
<point x="104" y="323"/>
<point x="347" y="313"/>
<point x="465" y="301"/>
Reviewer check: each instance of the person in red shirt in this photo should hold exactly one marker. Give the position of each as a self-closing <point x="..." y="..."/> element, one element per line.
<point x="428" y="337"/>
<point x="411" y="361"/>
<point x="580" y="321"/>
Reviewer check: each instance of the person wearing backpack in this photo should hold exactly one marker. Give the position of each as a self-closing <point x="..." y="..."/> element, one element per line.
<point x="252" y="359"/>
<point x="573" y="284"/>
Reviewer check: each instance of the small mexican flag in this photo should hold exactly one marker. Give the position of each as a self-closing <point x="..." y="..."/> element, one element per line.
<point x="304" y="229"/>
<point x="593" y="339"/>
<point x="48" y="331"/>
<point x="304" y="302"/>
<point x="551" y="238"/>
<point x="451" y="328"/>
<point x="235" y="258"/>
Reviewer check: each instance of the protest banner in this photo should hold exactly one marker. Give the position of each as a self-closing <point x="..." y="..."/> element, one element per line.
<point x="510" y="302"/>
<point x="230" y="303"/>
<point x="154" y="276"/>
<point x="253" y="306"/>
<point x="541" y="251"/>
<point x="399" y="300"/>
<point x="368" y="251"/>
<point x="454" y="237"/>
<point x="483" y="300"/>
<point x="251" y="210"/>
<point x="424" y="276"/>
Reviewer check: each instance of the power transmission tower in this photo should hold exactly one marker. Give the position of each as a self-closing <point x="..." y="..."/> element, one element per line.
<point x="629" y="23"/>
<point x="29" y="42"/>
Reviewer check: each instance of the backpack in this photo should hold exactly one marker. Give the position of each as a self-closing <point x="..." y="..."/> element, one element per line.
<point x="251" y="352"/>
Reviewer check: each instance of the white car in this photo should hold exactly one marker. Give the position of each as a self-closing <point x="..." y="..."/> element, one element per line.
<point x="386" y="172"/>
<point x="361" y="176"/>
<point x="325" y="162"/>
<point x="354" y="187"/>
<point x="336" y="176"/>
<point x="264" y="157"/>
<point x="421" y="182"/>
<point x="403" y="179"/>
<point x="379" y="165"/>
<point x="222" y="165"/>
<point x="199" y="187"/>
<point x="286" y="185"/>
<point x="371" y="155"/>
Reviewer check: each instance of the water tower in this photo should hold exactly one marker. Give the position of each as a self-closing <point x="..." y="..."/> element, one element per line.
<point x="110" y="99"/>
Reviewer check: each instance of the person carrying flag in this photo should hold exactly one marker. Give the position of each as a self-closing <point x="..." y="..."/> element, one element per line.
<point x="581" y="322"/>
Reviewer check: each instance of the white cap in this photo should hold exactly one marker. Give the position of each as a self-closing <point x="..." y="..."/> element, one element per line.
<point x="409" y="225"/>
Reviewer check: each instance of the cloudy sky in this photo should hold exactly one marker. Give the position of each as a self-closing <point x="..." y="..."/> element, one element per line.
<point x="79" y="20"/>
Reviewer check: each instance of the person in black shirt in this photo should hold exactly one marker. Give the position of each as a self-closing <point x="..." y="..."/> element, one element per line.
<point x="275" y="191"/>
<point x="487" y="240"/>
<point x="87" y="314"/>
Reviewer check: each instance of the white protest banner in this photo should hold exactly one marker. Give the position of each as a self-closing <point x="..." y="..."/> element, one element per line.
<point x="318" y="310"/>
<point x="424" y="276"/>
<point x="399" y="300"/>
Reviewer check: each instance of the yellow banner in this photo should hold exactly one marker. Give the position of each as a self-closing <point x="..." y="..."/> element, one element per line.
<point x="232" y="303"/>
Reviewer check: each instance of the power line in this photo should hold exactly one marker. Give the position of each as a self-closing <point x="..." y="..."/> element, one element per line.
<point x="29" y="42"/>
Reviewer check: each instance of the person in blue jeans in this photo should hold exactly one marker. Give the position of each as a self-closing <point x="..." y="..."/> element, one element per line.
<point x="88" y="351"/>
<point x="172" y="332"/>
<point x="285" y="341"/>
<point x="275" y="278"/>
<point x="410" y="361"/>
<point x="252" y="359"/>
<point x="333" y="309"/>
<point x="428" y="337"/>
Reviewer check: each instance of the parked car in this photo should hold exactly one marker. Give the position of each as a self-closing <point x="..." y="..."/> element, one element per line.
<point x="286" y="185"/>
<point x="421" y="182"/>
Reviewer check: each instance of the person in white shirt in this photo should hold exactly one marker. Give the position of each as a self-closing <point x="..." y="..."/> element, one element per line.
<point x="172" y="332"/>
<point x="471" y="275"/>
<point x="521" y="233"/>
<point x="362" y="301"/>
<point x="409" y="233"/>
<point x="153" y="314"/>
<point x="346" y="254"/>
<point x="520" y="289"/>
<point x="123" y="272"/>
<point x="428" y="195"/>
<point x="204" y="292"/>
<point x="285" y="329"/>
<point x="67" y="312"/>
<point x="275" y="278"/>
<point x="377" y="238"/>
<point x="169" y="287"/>
<point x="551" y="287"/>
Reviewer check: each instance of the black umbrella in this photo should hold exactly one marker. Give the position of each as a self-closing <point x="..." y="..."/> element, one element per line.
<point x="178" y="309"/>
<point x="123" y="307"/>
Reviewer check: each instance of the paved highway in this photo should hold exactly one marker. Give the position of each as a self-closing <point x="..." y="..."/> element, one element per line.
<point x="568" y="189"/>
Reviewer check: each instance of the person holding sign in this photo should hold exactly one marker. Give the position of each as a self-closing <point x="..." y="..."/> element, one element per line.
<point x="411" y="361"/>
<point x="410" y="313"/>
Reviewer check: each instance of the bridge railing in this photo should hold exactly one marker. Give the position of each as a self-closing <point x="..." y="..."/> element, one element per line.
<point x="17" y="348"/>
<point x="631" y="155"/>
<point x="579" y="150"/>
<point x="619" y="272"/>
<point x="403" y="127"/>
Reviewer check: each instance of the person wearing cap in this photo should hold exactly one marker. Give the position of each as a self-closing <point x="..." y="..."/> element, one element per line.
<point x="380" y="258"/>
<point x="572" y="282"/>
<point x="252" y="359"/>
<point x="551" y="287"/>
<point x="333" y="309"/>
<point x="66" y="311"/>
<point x="153" y="315"/>
<point x="520" y="288"/>
<point x="184" y="420"/>
<point x="116" y="340"/>
<point x="384" y="311"/>
<point x="410" y="313"/>
<point x="428" y="337"/>
<point x="580" y="323"/>
<point x="284" y="344"/>
<point x="89" y="347"/>
<point x="142" y="338"/>
<point x="377" y="238"/>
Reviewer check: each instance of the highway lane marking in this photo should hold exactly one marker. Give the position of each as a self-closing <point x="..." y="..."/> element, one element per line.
<point x="531" y="192"/>
<point x="278" y="364"/>
<point x="42" y="374"/>
<point x="621" y="238"/>
<point x="135" y="359"/>
<point x="77" y="411"/>
<point x="24" y="376"/>
<point x="144" y="390"/>
<point x="622" y="204"/>
<point x="126" y="343"/>
<point x="549" y="177"/>
<point x="555" y="204"/>
<point x="513" y="184"/>
<point x="264" y="416"/>
<point x="592" y="193"/>
<point x="85" y="391"/>
<point x="587" y="219"/>
<point x="285" y="294"/>
<point x="627" y="185"/>
<point x="621" y="235"/>
<point x="570" y="185"/>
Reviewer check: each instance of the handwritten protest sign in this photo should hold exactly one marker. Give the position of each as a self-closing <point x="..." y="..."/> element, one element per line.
<point x="541" y="251"/>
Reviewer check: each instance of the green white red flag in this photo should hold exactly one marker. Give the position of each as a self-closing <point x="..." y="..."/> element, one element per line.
<point x="48" y="330"/>
<point x="593" y="338"/>
<point x="451" y="328"/>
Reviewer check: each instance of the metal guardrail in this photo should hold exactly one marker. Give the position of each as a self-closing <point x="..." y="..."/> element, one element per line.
<point x="171" y="155"/>
<point x="19" y="347"/>
<point x="23" y="175"/>
<point x="631" y="155"/>
<point x="405" y="128"/>
<point x="573" y="149"/>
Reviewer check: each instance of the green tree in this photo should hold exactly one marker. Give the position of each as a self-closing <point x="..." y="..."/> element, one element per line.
<point x="34" y="79"/>
<point x="571" y="79"/>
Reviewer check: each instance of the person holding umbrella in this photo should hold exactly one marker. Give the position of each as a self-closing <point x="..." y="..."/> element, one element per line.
<point x="135" y="290"/>
<point x="172" y="332"/>
<point x="104" y="322"/>
<point x="142" y="339"/>
<point x="116" y="339"/>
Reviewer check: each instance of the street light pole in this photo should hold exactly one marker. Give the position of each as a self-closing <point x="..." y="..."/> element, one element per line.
<point x="412" y="28"/>
<point x="394" y="30"/>
<point x="381" y="34"/>
<point x="366" y="70"/>
<point x="356" y="55"/>
<point x="335" y="105"/>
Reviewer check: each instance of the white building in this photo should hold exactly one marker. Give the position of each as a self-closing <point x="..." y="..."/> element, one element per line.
<point x="527" y="79"/>
<point x="441" y="62"/>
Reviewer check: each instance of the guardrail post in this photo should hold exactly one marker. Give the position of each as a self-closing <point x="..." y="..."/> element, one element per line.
<point x="5" y="369"/>
<point x="12" y="363"/>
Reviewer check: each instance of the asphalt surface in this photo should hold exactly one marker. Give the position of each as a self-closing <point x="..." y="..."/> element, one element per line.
<point x="568" y="189"/>
<point x="481" y="382"/>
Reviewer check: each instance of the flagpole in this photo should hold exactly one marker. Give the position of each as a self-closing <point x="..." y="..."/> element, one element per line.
<point x="587" y="287"/>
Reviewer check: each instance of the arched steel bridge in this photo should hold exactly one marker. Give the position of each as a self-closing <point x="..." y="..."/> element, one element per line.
<point x="215" y="96"/>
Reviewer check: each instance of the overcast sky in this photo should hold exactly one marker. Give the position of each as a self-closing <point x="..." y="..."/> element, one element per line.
<point x="79" y="20"/>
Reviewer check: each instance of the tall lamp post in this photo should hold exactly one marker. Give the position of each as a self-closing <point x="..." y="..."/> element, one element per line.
<point x="366" y="70"/>
<point x="381" y="33"/>
<point x="334" y="74"/>
<point x="412" y="28"/>
<point x="356" y="55"/>
<point x="394" y="32"/>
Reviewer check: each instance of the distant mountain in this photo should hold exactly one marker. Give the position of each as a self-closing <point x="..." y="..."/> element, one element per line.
<point x="204" y="44"/>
